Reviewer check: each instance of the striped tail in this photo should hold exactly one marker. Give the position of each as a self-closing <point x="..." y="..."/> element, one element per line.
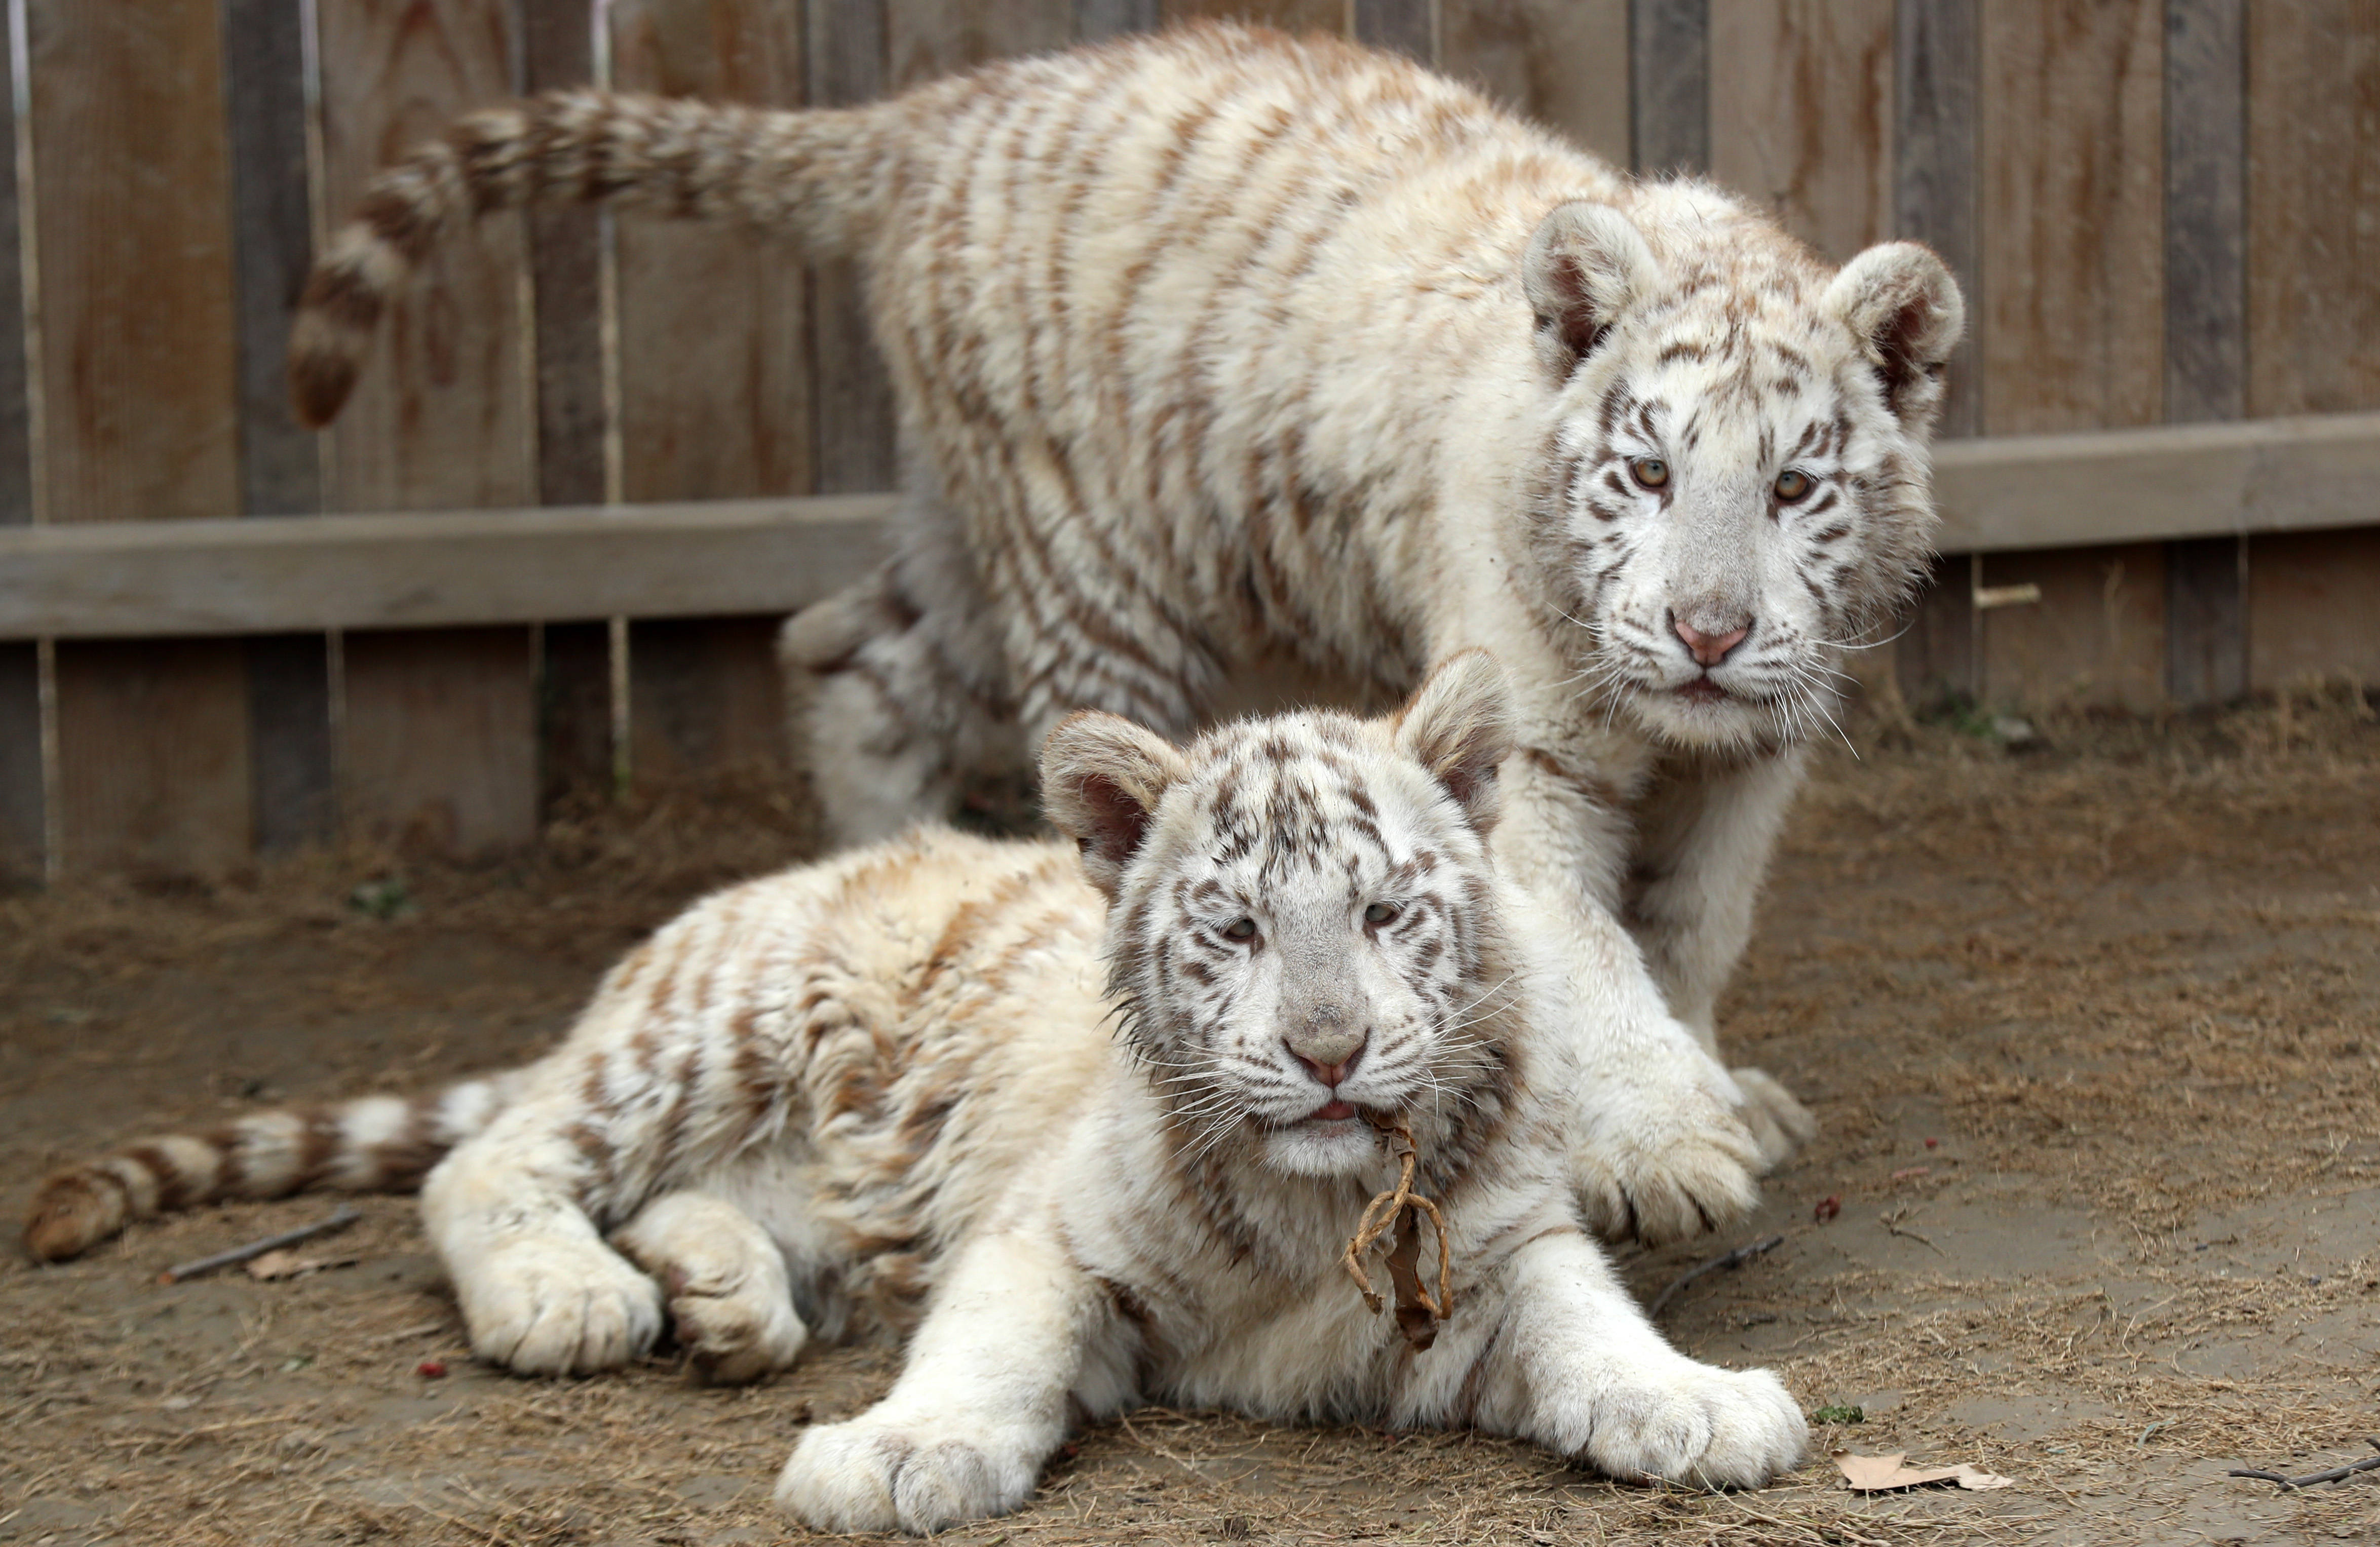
<point x="381" y="1144"/>
<point x="812" y="172"/>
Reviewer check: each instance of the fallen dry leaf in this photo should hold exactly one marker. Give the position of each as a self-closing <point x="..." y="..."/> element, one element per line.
<point x="286" y="1264"/>
<point x="1884" y="1474"/>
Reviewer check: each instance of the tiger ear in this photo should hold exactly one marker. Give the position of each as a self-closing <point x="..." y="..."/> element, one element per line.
<point x="1585" y="264"/>
<point x="1101" y="778"/>
<point x="1902" y="305"/>
<point x="1460" y="728"/>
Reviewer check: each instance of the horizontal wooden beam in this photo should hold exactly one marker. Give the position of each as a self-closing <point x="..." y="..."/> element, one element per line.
<point x="2195" y="480"/>
<point x="135" y="578"/>
<point x="262" y="575"/>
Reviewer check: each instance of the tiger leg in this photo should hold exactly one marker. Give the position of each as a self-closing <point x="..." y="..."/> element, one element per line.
<point x="729" y="1297"/>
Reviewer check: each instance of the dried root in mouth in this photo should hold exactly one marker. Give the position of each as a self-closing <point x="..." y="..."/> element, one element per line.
<point x="1400" y="1208"/>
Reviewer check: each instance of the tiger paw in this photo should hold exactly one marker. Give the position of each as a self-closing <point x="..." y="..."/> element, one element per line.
<point x="876" y="1474"/>
<point x="734" y="1333"/>
<point x="558" y="1307"/>
<point x="1779" y="1124"/>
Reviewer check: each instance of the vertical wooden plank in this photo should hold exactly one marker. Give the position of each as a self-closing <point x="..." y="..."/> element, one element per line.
<point x="1802" y="115"/>
<point x="2073" y="218"/>
<point x="129" y="163"/>
<point x="1561" y="62"/>
<point x="279" y="473"/>
<point x="707" y="700"/>
<point x="444" y="760"/>
<point x="2309" y="597"/>
<point x="437" y="742"/>
<point x="853" y="439"/>
<point x="22" y="809"/>
<point x="929" y="39"/>
<point x="2206" y="323"/>
<point x="1935" y="658"/>
<point x="1095" y="20"/>
<point x="1935" y="200"/>
<point x="715" y="395"/>
<point x="2314" y="183"/>
<point x="574" y="713"/>
<point x="1406" y="27"/>
<point x="2096" y="638"/>
<point x="1290" y="16"/>
<point x="1669" y="52"/>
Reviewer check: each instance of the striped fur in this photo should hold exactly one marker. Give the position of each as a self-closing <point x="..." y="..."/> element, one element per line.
<point x="1090" y="1143"/>
<point x="1221" y="357"/>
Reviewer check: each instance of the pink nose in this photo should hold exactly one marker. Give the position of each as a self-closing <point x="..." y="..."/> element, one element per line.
<point x="1709" y="649"/>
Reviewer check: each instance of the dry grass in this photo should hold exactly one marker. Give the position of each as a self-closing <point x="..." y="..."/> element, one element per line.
<point x="2124" y="980"/>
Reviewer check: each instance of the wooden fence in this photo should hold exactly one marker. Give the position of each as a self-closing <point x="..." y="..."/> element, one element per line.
<point x="2161" y="208"/>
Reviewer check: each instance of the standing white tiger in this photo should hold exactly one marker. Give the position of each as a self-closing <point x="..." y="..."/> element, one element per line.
<point x="1217" y="352"/>
<point x="891" y="1078"/>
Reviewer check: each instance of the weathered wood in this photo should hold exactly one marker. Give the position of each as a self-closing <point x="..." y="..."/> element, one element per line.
<point x="22" y="807"/>
<point x="232" y="576"/>
<point x="705" y="700"/>
<point x="1935" y="179"/>
<point x="2205" y="619"/>
<point x="1561" y="62"/>
<point x="293" y="779"/>
<point x="147" y="778"/>
<point x="443" y="417"/>
<point x="2313" y="173"/>
<point x="1802" y="115"/>
<point x="138" y="365"/>
<point x="2310" y="600"/>
<point x="2072" y="321"/>
<point x="2097" y="637"/>
<point x="565" y="265"/>
<point x="474" y="787"/>
<point x="852" y="443"/>
<point x="2206" y="323"/>
<point x="280" y="464"/>
<point x="1095" y="20"/>
<point x="1935" y="656"/>
<point x="2168" y="482"/>
<point x="575" y="718"/>
<point x="1290" y="16"/>
<point x="925" y="40"/>
<point x="1669" y="52"/>
<point x="1407" y="27"/>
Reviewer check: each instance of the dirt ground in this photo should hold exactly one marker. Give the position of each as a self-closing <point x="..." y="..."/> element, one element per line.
<point x="2093" y="1024"/>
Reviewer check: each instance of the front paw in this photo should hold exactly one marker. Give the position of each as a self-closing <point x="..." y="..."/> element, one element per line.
<point x="558" y="1306"/>
<point x="872" y="1474"/>
<point x="734" y="1333"/>
<point x="1694" y="1424"/>
<point x="1779" y="1124"/>
<point x="1662" y="1181"/>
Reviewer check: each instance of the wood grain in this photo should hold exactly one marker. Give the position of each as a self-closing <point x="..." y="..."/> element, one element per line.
<point x="280" y="465"/>
<point x="127" y="116"/>
<point x="566" y="266"/>
<point x="1563" y="63"/>
<point x="2309" y="597"/>
<point x="1669" y="51"/>
<point x="1802" y="115"/>
<point x="706" y="701"/>
<point x="2096" y="638"/>
<point x="929" y="39"/>
<point x="1406" y="27"/>
<point x="2073" y="224"/>
<point x="852" y="444"/>
<point x="1936" y="180"/>
<point x="445" y="418"/>
<point x="2314" y="183"/>
<point x="473" y="689"/>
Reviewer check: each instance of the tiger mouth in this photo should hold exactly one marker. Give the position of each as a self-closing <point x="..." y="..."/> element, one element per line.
<point x="1702" y="690"/>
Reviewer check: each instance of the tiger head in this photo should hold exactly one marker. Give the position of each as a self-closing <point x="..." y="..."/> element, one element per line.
<point x="1303" y="924"/>
<point x="1737" y="484"/>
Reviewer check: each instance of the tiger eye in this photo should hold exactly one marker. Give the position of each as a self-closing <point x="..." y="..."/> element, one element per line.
<point x="1240" y="929"/>
<point x="1381" y="913"/>
<point x="1649" y="471"/>
<point x="1792" y="484"/>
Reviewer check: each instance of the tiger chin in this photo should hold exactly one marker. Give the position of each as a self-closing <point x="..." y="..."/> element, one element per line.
<point x="1088" y="1123"/>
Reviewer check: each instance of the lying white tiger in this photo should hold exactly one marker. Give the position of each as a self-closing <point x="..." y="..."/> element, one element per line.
<point x="817" y="1100"/>
<point x="1217" y="353"/>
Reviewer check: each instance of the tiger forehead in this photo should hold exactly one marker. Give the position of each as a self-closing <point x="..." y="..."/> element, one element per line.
<point x="1280" y="798"/>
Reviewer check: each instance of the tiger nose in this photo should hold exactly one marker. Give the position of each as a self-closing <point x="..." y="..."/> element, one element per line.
<point x="1328" y="1047"/>
<point x="1709" y="649"/>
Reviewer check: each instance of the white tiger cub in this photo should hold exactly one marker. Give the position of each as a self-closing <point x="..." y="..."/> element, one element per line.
<point x="818" y="1101"/>
<point x="1216" y="351"/>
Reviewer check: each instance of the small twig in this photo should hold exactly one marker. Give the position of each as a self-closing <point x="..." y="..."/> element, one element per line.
<point x="1734" y="1259"/>
<point x="347" y="1214"/>
<point x="1892" y="1223"/>
<point x="2337" y="1474"/>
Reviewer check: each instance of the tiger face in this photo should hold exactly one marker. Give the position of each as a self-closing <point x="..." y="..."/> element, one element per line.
<point x="1303" y="921"/>
<point x="1738" y="488"/>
